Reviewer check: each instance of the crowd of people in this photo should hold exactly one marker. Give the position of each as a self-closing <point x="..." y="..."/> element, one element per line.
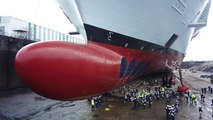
<point x="139" y="98"/>
<point x="143" y="97"/>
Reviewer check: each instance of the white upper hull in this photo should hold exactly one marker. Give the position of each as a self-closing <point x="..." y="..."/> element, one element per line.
<point x="154" y="21"/>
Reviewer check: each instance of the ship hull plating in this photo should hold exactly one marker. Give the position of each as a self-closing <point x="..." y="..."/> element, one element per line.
<point x="64" y="71"/>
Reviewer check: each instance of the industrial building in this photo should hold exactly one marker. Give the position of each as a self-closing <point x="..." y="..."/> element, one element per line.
<point x="10" y="26"/>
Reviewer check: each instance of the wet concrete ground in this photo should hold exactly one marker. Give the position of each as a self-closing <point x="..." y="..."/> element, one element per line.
<point x="30" y="106"/>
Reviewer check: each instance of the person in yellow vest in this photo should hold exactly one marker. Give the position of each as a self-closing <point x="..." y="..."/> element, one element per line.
<point x="163" y="89"/>
<point x="162" y="92"/>
<point x="143" y="94"/>
<point x="92" y="104"/>
<point x="194" y="98"/>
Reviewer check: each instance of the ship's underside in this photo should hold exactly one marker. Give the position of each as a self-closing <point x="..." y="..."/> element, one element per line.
<point x="65" y="71"/>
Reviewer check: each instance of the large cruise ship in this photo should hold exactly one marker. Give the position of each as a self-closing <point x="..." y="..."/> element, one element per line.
<point x="126" y="40"/>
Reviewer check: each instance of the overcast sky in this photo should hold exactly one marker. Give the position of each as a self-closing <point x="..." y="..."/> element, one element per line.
<point x="48" y="14"/>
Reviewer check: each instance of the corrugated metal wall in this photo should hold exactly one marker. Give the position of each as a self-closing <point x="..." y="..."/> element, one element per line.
<point x="36" y="32"/>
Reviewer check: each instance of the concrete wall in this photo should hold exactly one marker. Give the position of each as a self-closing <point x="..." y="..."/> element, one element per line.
<point x="8" y="48"/>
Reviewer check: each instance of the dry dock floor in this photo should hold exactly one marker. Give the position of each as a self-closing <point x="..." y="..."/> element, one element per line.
<point x="30" y="106"/>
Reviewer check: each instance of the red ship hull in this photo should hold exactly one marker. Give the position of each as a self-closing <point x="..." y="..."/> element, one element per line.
<point x="64" y="71"/>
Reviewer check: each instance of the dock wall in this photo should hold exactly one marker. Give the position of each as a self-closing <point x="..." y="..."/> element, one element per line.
<point x="9" y="46"/>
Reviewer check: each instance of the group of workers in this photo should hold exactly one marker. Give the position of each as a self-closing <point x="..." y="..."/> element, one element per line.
<point x="190" y="96"/>
<point x="145" y="97"/>
<point x="138" y="98"/>
<point x="160" y="92"/>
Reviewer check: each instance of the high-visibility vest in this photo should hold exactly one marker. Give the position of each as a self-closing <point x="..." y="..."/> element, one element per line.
<point x="92" y="102"/>
<point x="193" y="97"/>
<point x="163" y="89"/>
<point x="143" y="95"/>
